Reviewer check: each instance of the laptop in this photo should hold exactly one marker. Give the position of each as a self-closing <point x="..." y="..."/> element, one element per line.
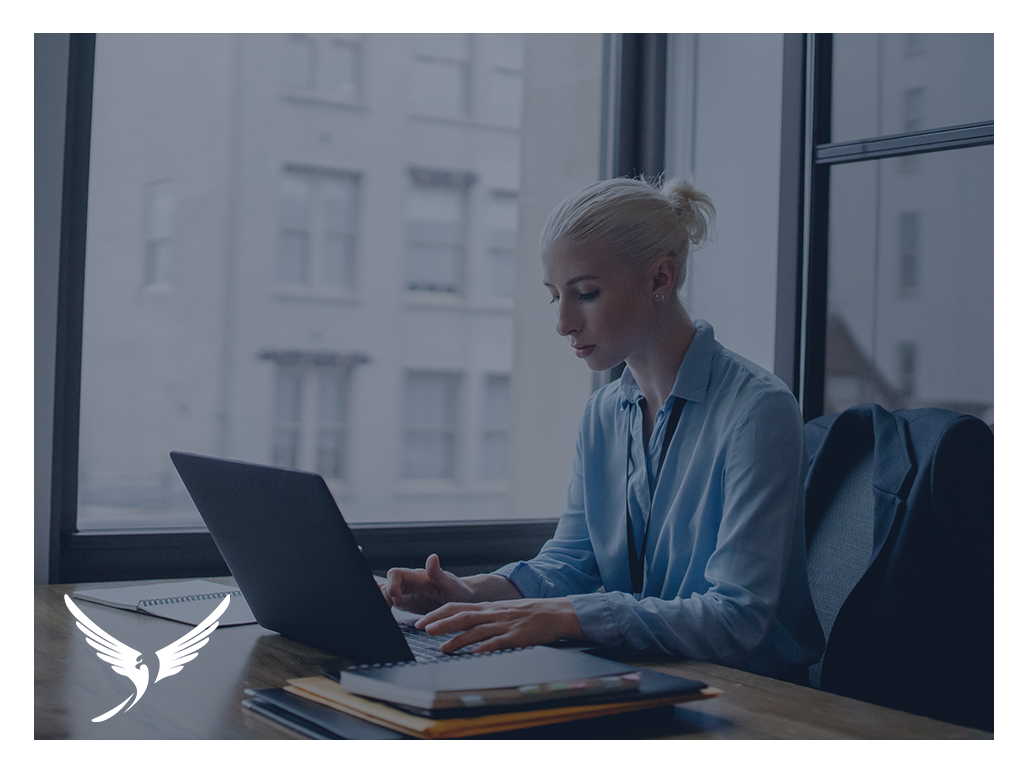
<point x="296" y="561"/>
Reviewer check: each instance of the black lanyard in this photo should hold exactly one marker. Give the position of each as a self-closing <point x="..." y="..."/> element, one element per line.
<point x="636" y="560"/>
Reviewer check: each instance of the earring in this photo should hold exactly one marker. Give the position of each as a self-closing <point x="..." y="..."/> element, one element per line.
<point x="660" y="298"/>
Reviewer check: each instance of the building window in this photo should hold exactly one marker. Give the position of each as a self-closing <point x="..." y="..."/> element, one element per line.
<point x="504" y="53"/>
<point x="317" y="228"/>
<point x="160" y="225"/>
<point x="436" y="218"/>
<point x="493" y="450"/>
<point x="502" y="220"/>
<point x="441" y="77"/>
<point x="430" y="414"/>
<point x="323" y="65"/>
<point x="309" y="420"/>
<point x="908" y="229"/>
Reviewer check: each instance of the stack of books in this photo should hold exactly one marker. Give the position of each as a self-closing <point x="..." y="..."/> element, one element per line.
<point x="473" y="695"/>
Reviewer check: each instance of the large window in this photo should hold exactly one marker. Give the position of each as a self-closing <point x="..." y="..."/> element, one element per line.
<point x="288" y="262"/>
<point x="904" y="159"/>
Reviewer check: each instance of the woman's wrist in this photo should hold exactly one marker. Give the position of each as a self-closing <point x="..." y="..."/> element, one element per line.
<point x="491" y="587"/>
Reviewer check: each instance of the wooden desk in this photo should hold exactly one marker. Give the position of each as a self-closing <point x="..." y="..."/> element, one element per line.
<point x="73" y="685"/>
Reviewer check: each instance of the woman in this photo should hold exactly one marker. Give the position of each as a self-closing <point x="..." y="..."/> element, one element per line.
<point x="683" y="529"/>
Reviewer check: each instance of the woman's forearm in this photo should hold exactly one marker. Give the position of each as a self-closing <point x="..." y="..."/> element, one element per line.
<point x="491" y="587"/>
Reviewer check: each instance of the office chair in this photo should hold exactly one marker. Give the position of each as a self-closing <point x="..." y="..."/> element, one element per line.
<point x="899" y="529"/>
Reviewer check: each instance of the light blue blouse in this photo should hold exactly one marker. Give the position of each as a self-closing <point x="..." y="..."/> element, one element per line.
<point x="724" y="576"/>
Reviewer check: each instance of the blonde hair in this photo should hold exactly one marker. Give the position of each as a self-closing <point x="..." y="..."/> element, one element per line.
<point x="636" y="219"/>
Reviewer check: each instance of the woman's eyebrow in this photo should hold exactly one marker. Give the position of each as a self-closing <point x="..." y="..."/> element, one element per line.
<point x="581" y="278"/>
<point x="574" y="280"/>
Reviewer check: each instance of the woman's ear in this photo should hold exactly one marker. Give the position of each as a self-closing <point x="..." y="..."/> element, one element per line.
<point x="663" y="278"/>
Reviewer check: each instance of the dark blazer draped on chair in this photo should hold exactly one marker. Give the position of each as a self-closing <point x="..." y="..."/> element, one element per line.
<point x="900" y="530"/>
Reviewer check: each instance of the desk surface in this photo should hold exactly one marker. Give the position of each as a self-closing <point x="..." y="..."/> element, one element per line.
<point x="72" y="685"/>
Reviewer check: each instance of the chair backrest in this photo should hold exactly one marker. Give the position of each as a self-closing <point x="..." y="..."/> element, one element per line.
<point x="899" y="529"/>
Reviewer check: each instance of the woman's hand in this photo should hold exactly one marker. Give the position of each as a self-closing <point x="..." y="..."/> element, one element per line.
<point x="423" y="590"/>
<point x="508" y="624"/>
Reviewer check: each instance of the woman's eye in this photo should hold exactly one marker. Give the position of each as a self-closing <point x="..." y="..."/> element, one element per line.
<point x="554" y="299"/>
<point x="589" y="296"/>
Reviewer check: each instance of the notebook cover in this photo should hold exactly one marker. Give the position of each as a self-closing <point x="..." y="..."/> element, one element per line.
<point x="511" y="678"/>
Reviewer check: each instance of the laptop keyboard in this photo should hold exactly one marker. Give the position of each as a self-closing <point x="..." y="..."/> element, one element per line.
<point x="426" y="647"/>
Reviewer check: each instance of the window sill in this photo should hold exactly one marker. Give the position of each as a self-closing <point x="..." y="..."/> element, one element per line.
<point x="315" y="98"/>
<point x="466" y="547"/>
<point x="459" y="119"/>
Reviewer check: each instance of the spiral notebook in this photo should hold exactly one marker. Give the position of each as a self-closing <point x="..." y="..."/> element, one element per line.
<point x="187" y="602"/>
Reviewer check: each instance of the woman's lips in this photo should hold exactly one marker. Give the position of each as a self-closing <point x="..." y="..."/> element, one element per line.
<point x="584" y="351"/>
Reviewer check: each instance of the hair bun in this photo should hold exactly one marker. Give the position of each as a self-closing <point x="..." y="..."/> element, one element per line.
<point x="693" y="208"/>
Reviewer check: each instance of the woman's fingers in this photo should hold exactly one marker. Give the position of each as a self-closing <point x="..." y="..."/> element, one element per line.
<point x="503" y="624"/>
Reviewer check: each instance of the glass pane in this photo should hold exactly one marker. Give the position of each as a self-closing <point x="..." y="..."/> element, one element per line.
<point x="438" y="212"/>
<point x="332" y="396"/>
<point x="428" y="455"/>
<point x="495" y="403"/>
<point x="432" y="268"/>
<point x="337" y="260"/>
<point x="285" y="447"/>
<point x="338" y="203"/>
<point x="288" y="389"/>
<point x="341" y="71"/>
<point x="430" y="400"/>
<point x="895" y="83"/>
<point x="911" y="284"/>
<point x="330" y="454"/>
<point x="294" y="198"/>
<point x="225" y="363"/>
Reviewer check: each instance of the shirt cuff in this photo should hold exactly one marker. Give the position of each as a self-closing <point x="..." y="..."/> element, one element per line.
<point x="531" y="583"/>
<point x="596" y="619"/>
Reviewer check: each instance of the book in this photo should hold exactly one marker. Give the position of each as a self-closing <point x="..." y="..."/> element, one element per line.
<point x="656" y="690"/>
<point x="507" y="678"/>
<point x="187" y="602"/>
<point x="315" y="720"/>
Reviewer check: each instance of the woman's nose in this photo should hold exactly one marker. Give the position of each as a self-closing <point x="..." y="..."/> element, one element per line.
<point x="568" y="322"/>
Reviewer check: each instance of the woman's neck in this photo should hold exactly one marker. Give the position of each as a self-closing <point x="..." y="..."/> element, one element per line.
<point x="656" y="366"/>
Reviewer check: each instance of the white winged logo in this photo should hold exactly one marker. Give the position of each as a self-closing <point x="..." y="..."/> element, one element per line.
<point x="125" y="661"/>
